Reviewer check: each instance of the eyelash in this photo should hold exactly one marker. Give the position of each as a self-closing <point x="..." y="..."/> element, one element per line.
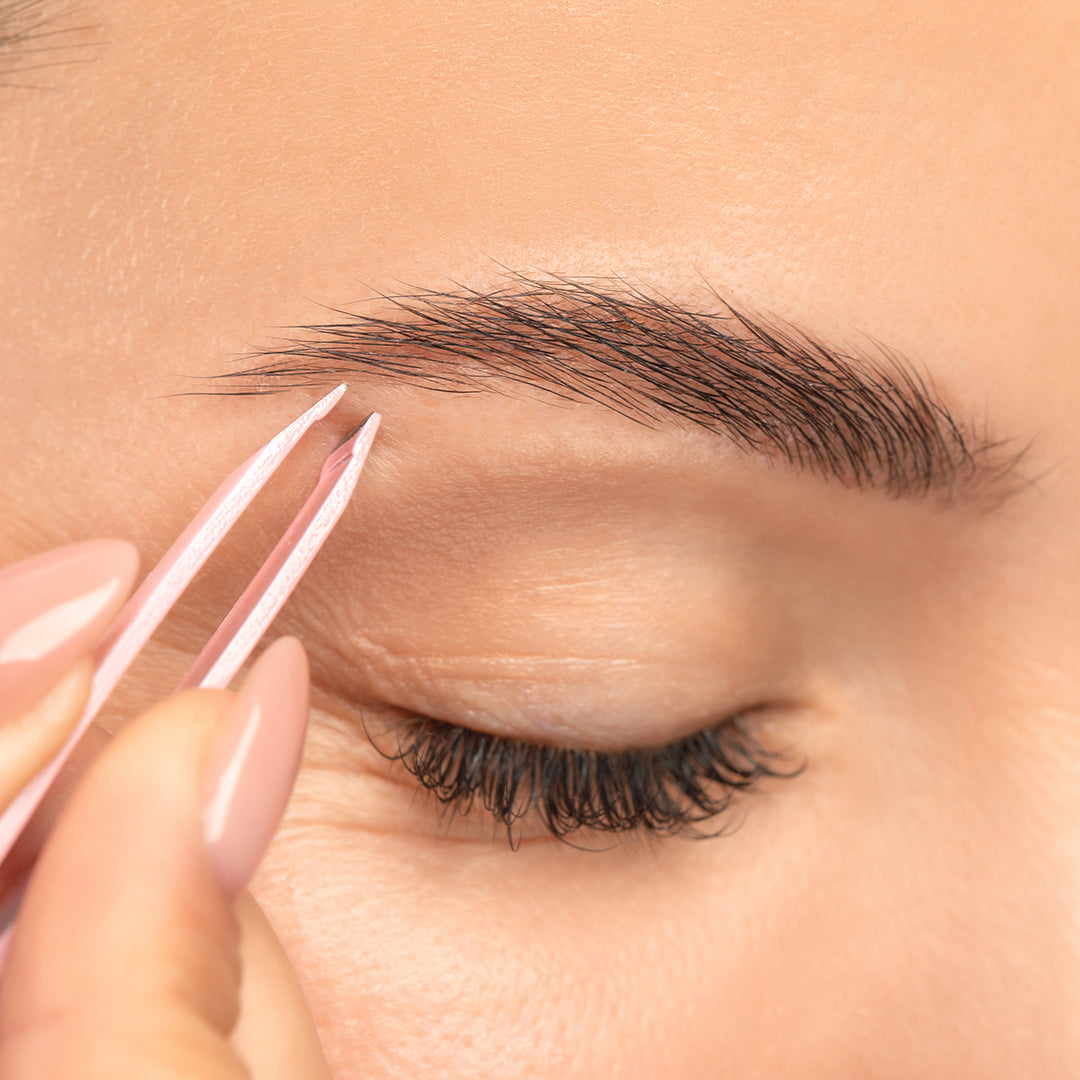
<point x="664" y="791"/>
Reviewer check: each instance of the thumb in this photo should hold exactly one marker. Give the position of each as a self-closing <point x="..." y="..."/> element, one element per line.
<point x="126" y="958"/>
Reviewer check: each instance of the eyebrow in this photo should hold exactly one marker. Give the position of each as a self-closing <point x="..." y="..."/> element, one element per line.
<point x="865" y="419"/>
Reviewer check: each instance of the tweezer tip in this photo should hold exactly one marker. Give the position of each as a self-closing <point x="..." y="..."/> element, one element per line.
<point x="371" y="422"/>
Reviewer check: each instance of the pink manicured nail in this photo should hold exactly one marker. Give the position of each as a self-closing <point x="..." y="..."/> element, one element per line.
<point x="53" y="609"/>
<point x="253" y="768"/>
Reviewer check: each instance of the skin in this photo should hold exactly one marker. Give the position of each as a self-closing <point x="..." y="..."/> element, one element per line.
<point x="906" y="906"/>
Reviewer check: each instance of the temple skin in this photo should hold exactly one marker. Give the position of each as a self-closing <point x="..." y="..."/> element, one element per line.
<point x="903" y="174"/>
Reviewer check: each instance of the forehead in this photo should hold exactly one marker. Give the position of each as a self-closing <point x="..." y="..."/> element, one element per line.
<point x="902" y="169"/>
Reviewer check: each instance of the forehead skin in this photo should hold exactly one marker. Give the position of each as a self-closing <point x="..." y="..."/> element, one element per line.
<point x="904" y="171"/>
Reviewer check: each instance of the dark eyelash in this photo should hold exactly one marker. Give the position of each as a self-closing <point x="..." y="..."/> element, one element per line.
<point x="662" y="791"/>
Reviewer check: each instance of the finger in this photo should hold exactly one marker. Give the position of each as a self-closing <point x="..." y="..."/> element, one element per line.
<point x="28" y="742"/>
<point x="25" y="852"/>
<point x="123" y="909"/>
<point x="53" y="609"/>
<point x="271" y="1049"/>
<point x="125" y="961"/>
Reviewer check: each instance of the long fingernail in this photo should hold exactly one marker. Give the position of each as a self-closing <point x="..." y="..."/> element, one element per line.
<point x="253" y="767"/>
<point x="53" y="608"/>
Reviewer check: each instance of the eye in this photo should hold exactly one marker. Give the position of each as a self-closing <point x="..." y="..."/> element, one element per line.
<point x="684" y="787"/>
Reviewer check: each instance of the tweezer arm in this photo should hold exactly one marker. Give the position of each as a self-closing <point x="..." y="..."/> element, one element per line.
<point x="152" y="601"/>
<point x="233" y="641"/>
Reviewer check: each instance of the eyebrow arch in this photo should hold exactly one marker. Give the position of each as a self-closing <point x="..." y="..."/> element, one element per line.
<point x="867" y="420"/>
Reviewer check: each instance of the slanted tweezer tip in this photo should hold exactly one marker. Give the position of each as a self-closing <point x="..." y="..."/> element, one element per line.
<point x="292" y="433"/>
<point x="366" y="427"/>
<point x="366" y="435"/>
<point x="348" y="435"/>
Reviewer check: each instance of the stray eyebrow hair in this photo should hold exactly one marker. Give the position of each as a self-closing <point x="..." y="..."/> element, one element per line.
<point x="39" y="34"/>
<point x="866" y="420"/>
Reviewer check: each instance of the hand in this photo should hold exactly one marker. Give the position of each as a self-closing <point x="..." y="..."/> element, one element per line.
<point x="131" y="958"/>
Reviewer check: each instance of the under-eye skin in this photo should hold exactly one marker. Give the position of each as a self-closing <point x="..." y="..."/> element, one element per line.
<point x="681" y="788"/>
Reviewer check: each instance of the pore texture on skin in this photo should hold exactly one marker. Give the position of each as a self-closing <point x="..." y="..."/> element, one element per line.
<point x="727" y="360"/>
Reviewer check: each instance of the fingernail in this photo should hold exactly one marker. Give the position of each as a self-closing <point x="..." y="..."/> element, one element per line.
<point x="53" y="609"/>
<point x="254" y="765"/>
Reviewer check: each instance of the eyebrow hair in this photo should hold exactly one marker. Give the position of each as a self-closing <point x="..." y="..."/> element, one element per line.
<point x="867" y="420"/>
<point x="39" y="34"/>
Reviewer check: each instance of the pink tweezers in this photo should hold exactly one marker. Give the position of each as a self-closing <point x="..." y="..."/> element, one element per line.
<point x="235" y="639"/>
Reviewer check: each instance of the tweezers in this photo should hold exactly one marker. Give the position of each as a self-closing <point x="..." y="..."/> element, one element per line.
<point x="240" y="631"/>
